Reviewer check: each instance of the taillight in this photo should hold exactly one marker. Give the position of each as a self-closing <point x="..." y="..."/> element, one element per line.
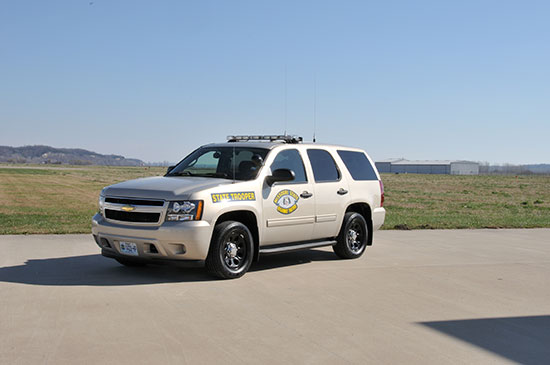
<point x="381" y="193"/>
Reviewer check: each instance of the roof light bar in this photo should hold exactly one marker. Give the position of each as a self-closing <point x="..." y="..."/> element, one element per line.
<point x="271" y="138"/>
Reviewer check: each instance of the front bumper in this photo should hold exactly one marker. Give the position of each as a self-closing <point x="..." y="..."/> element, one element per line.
<point x="170" y="241"/>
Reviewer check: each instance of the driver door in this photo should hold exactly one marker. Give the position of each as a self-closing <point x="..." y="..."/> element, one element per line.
<point x="288" y="207"/>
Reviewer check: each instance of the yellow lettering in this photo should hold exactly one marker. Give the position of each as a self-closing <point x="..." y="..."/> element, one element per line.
<point x="243" y="196"/>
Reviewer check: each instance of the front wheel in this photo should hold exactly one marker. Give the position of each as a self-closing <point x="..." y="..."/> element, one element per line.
<point x="352" y="240"/>
<point x="231" y="250"/>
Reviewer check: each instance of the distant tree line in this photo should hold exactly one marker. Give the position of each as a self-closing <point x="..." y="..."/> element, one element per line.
<point x="161" y="164"/>
<point x="486" y="168"/>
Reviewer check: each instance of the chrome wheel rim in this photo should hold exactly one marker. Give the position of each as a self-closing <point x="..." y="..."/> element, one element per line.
<point x="234" y="250"/>
<point x="355" y="236"/>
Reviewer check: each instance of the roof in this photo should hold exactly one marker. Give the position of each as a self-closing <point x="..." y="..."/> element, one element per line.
<point x="266" y="145"/>
<point x="271" y="145"/>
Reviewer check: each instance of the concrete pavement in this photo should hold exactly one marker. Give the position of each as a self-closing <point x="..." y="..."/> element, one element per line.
<point x="456" y="296"/>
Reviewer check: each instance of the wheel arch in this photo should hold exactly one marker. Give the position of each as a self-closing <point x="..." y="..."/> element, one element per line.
<point x="249" y="219"/>
<point x="365" y="210"/>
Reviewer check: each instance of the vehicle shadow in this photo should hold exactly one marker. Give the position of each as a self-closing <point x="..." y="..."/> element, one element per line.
<point x="521" y="339"/>
<point x="292" y="259"/>
<point x="96" y="270"/>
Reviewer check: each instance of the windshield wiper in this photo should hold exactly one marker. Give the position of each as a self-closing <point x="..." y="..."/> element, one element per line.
<point x="219" y="175"/>
<point x="223" y="175"/>
<point x="183" y="173"/>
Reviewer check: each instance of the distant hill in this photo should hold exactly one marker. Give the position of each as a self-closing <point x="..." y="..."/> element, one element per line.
<point x="68" y="156"/>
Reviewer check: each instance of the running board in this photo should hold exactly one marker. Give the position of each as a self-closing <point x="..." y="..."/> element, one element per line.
<point x="270" y="250"/>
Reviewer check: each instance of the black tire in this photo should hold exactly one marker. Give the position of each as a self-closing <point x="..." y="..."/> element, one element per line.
<point x="352" y="240"/>
<point x="129" y="263"/>
<point x="231" y="250"/>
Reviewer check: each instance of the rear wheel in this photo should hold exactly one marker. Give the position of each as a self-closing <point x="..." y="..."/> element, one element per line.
<point x="231" y="250"/>
<point x="352" y="240"/>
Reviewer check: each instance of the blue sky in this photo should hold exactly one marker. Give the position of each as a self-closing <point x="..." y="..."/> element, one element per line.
<point x="154" y="79"/>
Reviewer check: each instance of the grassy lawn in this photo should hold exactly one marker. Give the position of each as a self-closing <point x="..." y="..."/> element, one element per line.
<point x="37" y="199"/>
<point x="445" y="201"/>
<point x="57" y="199"/>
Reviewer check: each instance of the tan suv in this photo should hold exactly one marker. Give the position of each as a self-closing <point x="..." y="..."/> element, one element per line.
<point x="227" y="204"/>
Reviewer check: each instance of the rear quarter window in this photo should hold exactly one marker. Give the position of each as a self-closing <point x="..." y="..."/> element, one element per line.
<point x="358" y="165"/>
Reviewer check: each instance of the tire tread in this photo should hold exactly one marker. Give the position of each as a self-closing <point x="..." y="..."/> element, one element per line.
<point x="341" y="249"/>
<point x="213" y="265"/>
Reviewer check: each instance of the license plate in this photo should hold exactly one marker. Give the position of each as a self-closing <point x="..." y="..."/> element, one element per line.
<point x="128" y="248"/>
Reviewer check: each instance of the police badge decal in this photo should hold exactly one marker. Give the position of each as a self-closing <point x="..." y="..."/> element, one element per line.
<point x="286" y="201"/>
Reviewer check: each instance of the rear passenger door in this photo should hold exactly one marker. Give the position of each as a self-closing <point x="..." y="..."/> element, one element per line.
<point x="331" y="193"/>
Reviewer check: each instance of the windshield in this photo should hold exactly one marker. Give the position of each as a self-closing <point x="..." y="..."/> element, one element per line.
<point x="239" y="163"/>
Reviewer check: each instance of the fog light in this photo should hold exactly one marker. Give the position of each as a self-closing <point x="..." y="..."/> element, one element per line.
<point x="178" y="248"/>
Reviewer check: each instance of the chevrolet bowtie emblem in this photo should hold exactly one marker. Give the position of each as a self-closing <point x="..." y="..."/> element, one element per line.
<point x="128" y="208"/>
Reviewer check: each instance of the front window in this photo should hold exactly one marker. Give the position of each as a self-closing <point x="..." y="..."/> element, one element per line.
<point x="290" y="159"/>
<point x="239" y="163"/>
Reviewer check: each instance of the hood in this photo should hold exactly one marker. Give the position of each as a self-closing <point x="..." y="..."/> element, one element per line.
<point x="163" y="187"/>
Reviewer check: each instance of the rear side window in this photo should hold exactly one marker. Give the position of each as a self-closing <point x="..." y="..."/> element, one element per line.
<point x="358" y="165"/>
<point x="324" y="167"/>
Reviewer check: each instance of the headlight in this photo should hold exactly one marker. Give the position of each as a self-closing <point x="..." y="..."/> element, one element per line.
<point x="187" y="210"/>
<point x="101" y="203"/>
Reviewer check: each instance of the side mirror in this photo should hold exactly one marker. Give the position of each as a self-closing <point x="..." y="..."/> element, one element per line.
<point x="170" y="168"/>
<point x="280" y="175"/>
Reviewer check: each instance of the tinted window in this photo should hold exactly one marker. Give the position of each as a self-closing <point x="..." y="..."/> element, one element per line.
<point x="206" y="163"/>
<point x="290" y="159"/>
<point x="324" y="167"/>
<point x="358" y="165"/>
<point x="241" y="163"/>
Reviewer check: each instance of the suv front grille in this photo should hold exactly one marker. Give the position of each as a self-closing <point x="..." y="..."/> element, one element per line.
<point x="152" y="203"/>
<point x="138" y="217"/>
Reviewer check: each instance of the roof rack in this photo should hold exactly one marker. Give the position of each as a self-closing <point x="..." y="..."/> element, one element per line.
<point x="271" y="138"/>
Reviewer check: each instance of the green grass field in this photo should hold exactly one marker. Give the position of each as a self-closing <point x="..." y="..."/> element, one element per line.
<point x="56" y="199"/>
<point x="36" y="199"/>
<point x="445" y="201"/>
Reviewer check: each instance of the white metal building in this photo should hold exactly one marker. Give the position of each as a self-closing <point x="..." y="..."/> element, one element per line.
<point x="450" y="167"/>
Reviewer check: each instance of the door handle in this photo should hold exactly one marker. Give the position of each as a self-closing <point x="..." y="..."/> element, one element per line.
<point x="306" y="195"/>
<point x="342" y="191"/>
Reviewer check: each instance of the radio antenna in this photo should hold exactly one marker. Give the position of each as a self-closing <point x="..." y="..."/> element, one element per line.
<point x="314" y="105"/>
<point x="286" y="93"/>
